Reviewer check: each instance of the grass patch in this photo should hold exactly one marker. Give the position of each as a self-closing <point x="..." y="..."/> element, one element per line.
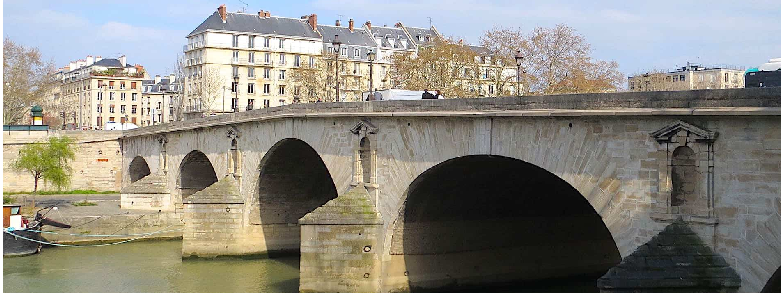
<point x="84" y="204"/>
<point x="77" y="191"/>
<point x="8" y="199"/>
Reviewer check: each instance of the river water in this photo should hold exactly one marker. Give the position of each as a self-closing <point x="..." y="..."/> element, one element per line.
<point x="156" y="266"/>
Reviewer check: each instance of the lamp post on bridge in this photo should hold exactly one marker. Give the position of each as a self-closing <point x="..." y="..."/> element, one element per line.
<point x="337" y="46"/>
<point x="371" y="56"/>
<point x="518" y="61"/>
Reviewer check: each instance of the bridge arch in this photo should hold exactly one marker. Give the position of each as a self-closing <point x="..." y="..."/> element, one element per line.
<point x="138" y="169"/>
<point x="195" y="173"/>
<point x="484" y="220"/>
<point x="293" y="181"/>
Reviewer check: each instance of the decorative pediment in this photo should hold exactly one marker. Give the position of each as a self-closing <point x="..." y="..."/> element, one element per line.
<point x="364" y="125"/>
<point x="666" y="133"/>
<point x="233" y="132"/>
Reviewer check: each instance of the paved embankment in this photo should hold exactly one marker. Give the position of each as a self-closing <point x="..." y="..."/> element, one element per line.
<point x="105" y="218"/>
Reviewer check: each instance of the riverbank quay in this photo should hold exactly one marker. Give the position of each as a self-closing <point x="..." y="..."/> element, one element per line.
<point x="104" y="222"/>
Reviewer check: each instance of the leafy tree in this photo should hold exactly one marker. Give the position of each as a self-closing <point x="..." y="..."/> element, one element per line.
<point x="27" y="78"/>
<point x="312" y="80"/>
<point x="446" y="66"/>
<point x="48" y="161"/>
<point x="556" y="60"/>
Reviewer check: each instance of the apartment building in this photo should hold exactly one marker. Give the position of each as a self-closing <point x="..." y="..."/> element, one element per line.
<point x="389" y="41"/>
<point x="159" y="100"/>
<point x="491" y="77"/>
<point x="354" y="65"/>
<point x="690" y="77"/>
<point x="98" y="90"/>
<point x="252" y="54"/>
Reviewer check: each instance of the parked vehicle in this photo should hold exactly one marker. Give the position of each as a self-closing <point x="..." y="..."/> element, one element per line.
<point x="112" y="125"/>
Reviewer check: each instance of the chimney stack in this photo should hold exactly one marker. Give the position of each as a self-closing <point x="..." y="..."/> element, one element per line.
<point x="338" y="23"/>
<point x="261" y="13"/>
<point x="368" y="24"/>
<point x="123" y="60"/>
<point x="157" y="79"/>
<point x="312" y="20"/>
<point x="268" y="13"/>
<point x="351" y="24"/>
<point x="98" y="58"/>
<point x="90" y="60"/>
<point x="171" y="78"/>
<point x="398" y="25"/>
<point x="223" y="12"/>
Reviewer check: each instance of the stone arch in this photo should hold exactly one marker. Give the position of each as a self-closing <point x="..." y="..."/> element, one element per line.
<point x="138" y="169"/>
<point x="684" y="176"/>
<point x="293" y="181"/>
<point x="774" y="284"/>
<point x="195" y="173"/>
<point x="483" y="220"/>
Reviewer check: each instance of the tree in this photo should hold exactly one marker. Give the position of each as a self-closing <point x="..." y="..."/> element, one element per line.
<point x="206" y="88"/>
<point x="556" y="60"/>
<point x="446" y="66"/>
<point x="27" y="79"/>
<point x="48" y="161"/>
<point x="311" y="80"/>
<point x="177" y="88"/>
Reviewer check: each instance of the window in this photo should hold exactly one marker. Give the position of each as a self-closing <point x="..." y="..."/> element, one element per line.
<point x="121" y="96"/>
<point x="281" y="59"/>
<point x="281" y="43"/>
<point x="311" y="61"/>
<point x="251" y="42"/>
<point x="267" y="58"/>
<point x="100" y="83"/>
<point x="133" y="85"/>
<point x="357" y="53"/>
<point x="122" y="109"/>
<point x="281" y="90"/>
<point x="111" y="109"/>
<point x="726" y="77"/>
<point x="159" y="105"/>
<point x="282" y="74"/>
<point x="266" y="73"/>
<point x="356" y="68"/>
<point x="491" y="89"/>
<point x="297" y="61"/>
<point x="675" y="78"/>
<point x="133" y="97"/>
<point x="235" y="71"/>
<point x="133" y="109"/>
<point x="266" y="42"/>
<point x="267" y="89"/>
<point x="250" y="88"/>
<point x="235" y="104"/>
<point x="100" y="96"/>
<point x="683" y="77"/>
<point x="122" y="85"/>
<point x="250" y="104"/>
<point x="111" y="96"/>
<point x="235" y="41"/>
<point x="100" y="109"/>
<point x="111" y="85"/>
<point x="250" y="72"/>
<point x="251" y="58"/>
<point x="235" y="56"/>
<point x="111" y="119"/>
<point x="344" y="51"/>
<point x="266" y="103"/>
<point x="234" y="87"/>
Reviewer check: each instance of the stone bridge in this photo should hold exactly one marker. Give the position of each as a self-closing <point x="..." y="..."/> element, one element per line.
<point x="652" y="191"/>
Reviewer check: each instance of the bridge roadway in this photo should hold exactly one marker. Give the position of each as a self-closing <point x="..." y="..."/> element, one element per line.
<point x="672" y="189"/>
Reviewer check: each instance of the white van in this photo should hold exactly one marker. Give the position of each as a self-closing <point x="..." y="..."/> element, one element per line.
<point x="113" y="125"/>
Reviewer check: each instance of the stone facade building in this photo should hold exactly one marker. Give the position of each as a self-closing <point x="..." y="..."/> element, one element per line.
<point x="98" y="91"/>
<point x="159" y="102"/>
<point x="691" y="77"/>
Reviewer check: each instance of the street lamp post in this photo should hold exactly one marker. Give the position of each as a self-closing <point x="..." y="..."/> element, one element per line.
<point x="337" y="46"/>
<point x="371" y="56"/>
<point x="518" y="61"/>
<point x="235" y="103"/>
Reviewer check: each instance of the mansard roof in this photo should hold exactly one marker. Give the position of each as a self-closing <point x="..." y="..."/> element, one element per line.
<point x="422" y="32"/>
<point x="357" y="37"/>
<point x="251" y="23"/>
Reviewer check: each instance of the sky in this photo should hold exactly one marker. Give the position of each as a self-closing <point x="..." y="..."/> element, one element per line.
<point x="639" y="35"/>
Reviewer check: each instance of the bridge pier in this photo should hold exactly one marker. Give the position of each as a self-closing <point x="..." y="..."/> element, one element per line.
<point x="341" y="245"/>
<point x="214" y="221"/>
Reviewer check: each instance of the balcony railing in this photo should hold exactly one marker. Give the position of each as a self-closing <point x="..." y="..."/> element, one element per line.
<point x="192" y="46"/>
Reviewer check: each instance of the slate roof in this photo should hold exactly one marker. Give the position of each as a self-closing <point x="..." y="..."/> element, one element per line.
<point x="483" y="51"/>
<point x="163" y="86"/>
<point x="674" y="258"/>
<point x="108" y="63"/>
<point x="422" y="32"/>
<point x="393" y="33"/>
<point x="358" y="37"/>
<point x="251" y="23"/>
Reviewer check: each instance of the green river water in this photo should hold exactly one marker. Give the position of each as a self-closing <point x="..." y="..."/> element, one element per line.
<point x="156" y="266"/>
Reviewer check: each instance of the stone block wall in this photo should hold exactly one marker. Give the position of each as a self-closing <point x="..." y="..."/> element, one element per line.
<point x="97" y="165"/>
<point x="213" y="229"/>
<point x="147" y="201"/>
<point x="163" y="225"/>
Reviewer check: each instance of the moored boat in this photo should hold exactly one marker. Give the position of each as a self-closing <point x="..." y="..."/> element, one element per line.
<point x="22" y="237"/>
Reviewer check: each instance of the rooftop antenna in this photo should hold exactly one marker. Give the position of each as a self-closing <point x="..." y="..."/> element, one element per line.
<point x="244" y="9"/>
<point x="340" y="17"/>
<point x="429" y="22"/>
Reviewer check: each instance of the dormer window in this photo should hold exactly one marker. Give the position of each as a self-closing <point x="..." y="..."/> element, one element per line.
<point x="357" y="53"/>
<point x="418" y="37"/>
